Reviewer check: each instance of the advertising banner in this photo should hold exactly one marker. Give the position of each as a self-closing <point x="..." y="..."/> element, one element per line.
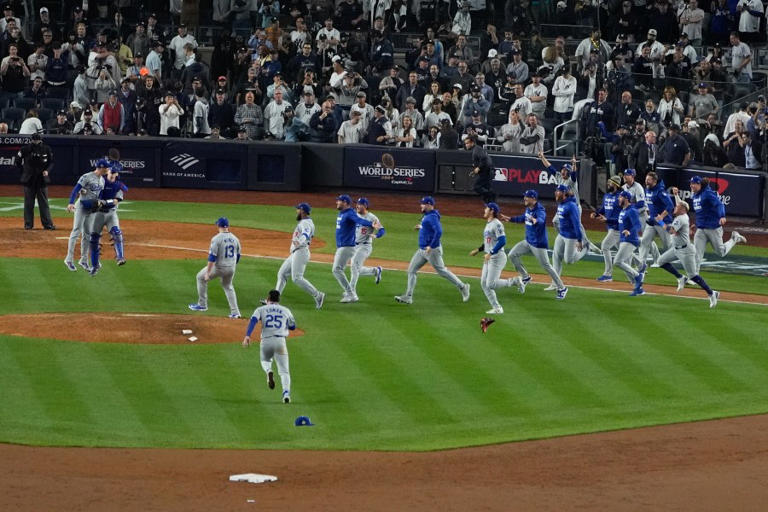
<point x="139" y="159"/>
<point x="9" y="147"/>
<point x="515" y="174"/>
<point x="197" y="164"/>
<point x="389" y="168"/>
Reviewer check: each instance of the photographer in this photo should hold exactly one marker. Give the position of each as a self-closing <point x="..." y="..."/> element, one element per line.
<point x="170" y="113"/>
<point x="274" y="120"/>
<point x="147" y="105"/>
<point x="87" y="126"/>
<point x="329" y="34"/>
<point x="14" y="72"/>
<point x="350" y="86"/>
<point x="622" y="144"/>
<point x="104" y="84"/>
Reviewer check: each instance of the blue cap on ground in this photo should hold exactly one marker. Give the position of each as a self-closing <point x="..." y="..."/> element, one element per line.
<point x="626" y="194"/>
<point x="304" y="207"/>
<point x="531" y="193"/>
<point x="696" y="179"/>
<point x="493" y="207"/>
<point x="428" y="200"/>
<point x="222" y="222"/>
<point x="103" y="162"/>
<point x="629" y="172"/>
<point x="563" y="188"/>
<point x="363" y="201"/>
<point x="303" y="421"/>
<point x="345" y="198"/>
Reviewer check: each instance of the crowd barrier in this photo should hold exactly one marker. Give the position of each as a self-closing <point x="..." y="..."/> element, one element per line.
<point x="275" y="166"/>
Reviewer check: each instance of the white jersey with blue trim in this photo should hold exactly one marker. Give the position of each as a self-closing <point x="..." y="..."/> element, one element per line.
<point x="494" y="229"/>
<point x="303" y="234"/>
<point x="226" y="248"/>
<point x="638" y="194"/>
<point x="276" y="320"/>
<point x="365" y="234"/>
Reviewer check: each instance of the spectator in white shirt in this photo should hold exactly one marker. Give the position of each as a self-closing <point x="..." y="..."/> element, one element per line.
<point x="405" y="135"/>
<point x="273" y="116"/>
<point x="462" y="21"/>
<point x="330" y="35"/>
<point x="177" y="46"/>
<point x="741" y="59"/>
<point x="170" y="112"/>
<point x="657" y="49"/>
<point x="509" y="134"/>
<point x="749" y="20"/>
<point x="366" y="110"/>
<point x="351" y="131"/>
<point x="522" y="104"/>
<point x="537" y="93"/>
<point x="564" y="91"/>
<point x="305" y="109"/>
<point x="31" y="124"/>
<point x="532" y="138"/>
<point x="691" y="19"/>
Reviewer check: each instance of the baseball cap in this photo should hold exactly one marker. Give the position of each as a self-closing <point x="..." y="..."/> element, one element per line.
<point x="113" y="93"/>
<point x="181" y="25"/>
<point x="43" y="9"/>
<point x="381" y="109"/>
<point x="531" y="193"/>
<point x="696" y="179"/>
<point x="61" y="113"/>
<point x="475" y="113"/>
<point x="303" y="421"/>
<point x="222" y="77"/>
<point x="629" y="172"/>
<point x="652" y="32"/>
<point x="428" y="200"/>
<point x="304" y="207"/>
<point x="626" y="194"/>
<point x="493" y="207"/>
<point x="115" y="167"/>
<point x="221" y="91"/>
<point x="102" y="162"/>
<point x="363" y="201"/>
<point x="360" y="94"/>
<point x="702" y="85"/>
<point x="615" y="180"/>
<point x="475" y="88"/>
<point x="515" y="51"/>
<point x="563" y="188"/>
<point x="567" y="167"/>
<point x="336" y="58"/>
<point x="457" y="86"/>
<point x="88" y="112"/>
<point x="675" y="127"/>
<point x="222" y="222"/>
<point x="492" y="53"/>
<point x="410" y="99"/>
<point x="344" y="198"/>
<point x="37" y="136"/>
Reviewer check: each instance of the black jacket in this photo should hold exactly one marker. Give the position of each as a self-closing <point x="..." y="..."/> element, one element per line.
<point x="33" y="160"/>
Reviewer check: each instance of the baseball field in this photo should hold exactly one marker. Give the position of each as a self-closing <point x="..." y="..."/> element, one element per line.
<point x="101" y="362"/>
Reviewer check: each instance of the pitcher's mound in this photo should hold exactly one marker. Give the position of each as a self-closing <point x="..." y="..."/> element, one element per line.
<point x="146" y="328"/>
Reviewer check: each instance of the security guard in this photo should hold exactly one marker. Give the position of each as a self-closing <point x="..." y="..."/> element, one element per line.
<point x="36" y="160"/>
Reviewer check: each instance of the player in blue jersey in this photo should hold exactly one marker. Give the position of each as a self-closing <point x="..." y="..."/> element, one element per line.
<point x="569" y="244"/>
<point x="709" y="213"/>
<point x="346" y="224"/>
<point x="660" y="207"/>
<point x="629" y="229"/>
<point x="609" y="213"/>
<point x="114" y="189"/>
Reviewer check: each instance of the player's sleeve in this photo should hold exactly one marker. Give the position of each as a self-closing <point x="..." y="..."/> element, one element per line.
<point x="253" y="321"/>
<point x="500" y="242"/>
<point x="213" y="251"/>
<point x="541" y="216"/>
<point x="519" y="219"/>
<point x="359" y="220"/>
<point x="75" y="192"/>
<point x="290" y="322"/>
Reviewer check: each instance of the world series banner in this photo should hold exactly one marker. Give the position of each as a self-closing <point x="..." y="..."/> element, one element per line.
<point x="388" y="168"/>
<point x="514" y="174"/>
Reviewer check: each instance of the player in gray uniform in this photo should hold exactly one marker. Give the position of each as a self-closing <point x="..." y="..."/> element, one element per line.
<point x="495" y="258"/>
<point x="364" y="237"/>
<point x="276" y="321"/>
<point x="683" y="250"/>
<point x="84" y="201"/>
<point x="296" y="262"/>
<point x="223" y="256"/>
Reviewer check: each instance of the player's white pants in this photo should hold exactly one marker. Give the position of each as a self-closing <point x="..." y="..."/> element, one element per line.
<point x="565" y="250"/>
<point x="646" y="242"/>
<point x="275" y="348"/>
<point x="293" y="267"/>
<point x="610" y="241"/>
<point x="435" y="258"/>
<point x="522" y="248"/>
<point x="490" y="278"/>
<point x="687" y="257"/>
<point x="343" y="255"/>
<point x="622" y="259"/>
<point x="714" y="237"/>
<point x="78" y="230"/>
<point x="362" y="252"/>
<point x="227" y="274"/>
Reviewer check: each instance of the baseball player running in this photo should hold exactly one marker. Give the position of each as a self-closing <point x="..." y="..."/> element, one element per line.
<point x="609" y="213"/>
<point x="346" y="223"/>
<point x="536" y="243"/>
<point x="638" y="201"/>
<point x="710" y="218"/>
<point x="660" y="209"/>
<point x="569" y="245"/>
<point x="430" y="250"/>
<point x="276" y="320"/>
<point x="296" y="262"/>
<point x="364" y="237"/>
<point x="87" y="190"/>
<point x="495" y="258"/>
<point x="223" y="256"/>
<point x="114" y="189"/>
<point x="683" y="250"/>
<point x="629" y="227"/>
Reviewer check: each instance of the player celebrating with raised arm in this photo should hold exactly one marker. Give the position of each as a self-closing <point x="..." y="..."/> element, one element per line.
<point x="495" y="258"/>
<point x="685" y="252"/>
<point x="346" y="223"/>
<point x="609" y="213"/>
<point x="88" y="189"/>
<point x="364" y="237"/>
<point x="296" y="262"/>
<point x="223" y="256"/>
<point x="659" y="210"/>
<point x="430" y="250"/>
<point x="709" y="214"/>
<point x="629" y="227"/>
<point x="536" y="243"/>
<point x="276" y="320"/>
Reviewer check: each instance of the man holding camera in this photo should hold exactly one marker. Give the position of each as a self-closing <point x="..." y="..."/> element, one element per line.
<point x="87" y="126"/>
<point x="36" y="160"/>
<point x="14" y="71"/>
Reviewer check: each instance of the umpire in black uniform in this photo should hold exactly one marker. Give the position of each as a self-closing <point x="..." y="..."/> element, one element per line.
<point x="482" y="167"/>
<point x="36" y="160"/>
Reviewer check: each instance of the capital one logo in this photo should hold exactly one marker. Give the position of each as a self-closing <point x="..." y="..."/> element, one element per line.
<point x="720" y="184"/>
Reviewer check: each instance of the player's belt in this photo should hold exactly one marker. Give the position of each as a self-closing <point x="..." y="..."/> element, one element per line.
<point x="362" y="243"/>
<point x="681" y="247"/>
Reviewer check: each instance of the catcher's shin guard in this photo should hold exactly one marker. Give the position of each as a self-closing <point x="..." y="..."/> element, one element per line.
<point x="95" y="249"/>
<point x="117" y="238"/>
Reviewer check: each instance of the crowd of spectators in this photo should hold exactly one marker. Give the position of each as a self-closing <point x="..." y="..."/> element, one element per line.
<point x="647" y="87"/>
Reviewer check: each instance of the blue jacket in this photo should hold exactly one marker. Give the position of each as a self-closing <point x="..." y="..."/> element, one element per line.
<point x="708" y="209"/>
<point x="570" y="223"/>
<point x="629" y="220"/>
<point x="658" y="200"/>
<point x="535" y="234"/>
<point x="431" y="230"/>
<point x="111" y="189"/>
<point x="610" y="210"/>
<point x="345" y="227"/>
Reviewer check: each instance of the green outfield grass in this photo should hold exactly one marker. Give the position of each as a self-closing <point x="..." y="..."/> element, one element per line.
<point x="376" y="374"/>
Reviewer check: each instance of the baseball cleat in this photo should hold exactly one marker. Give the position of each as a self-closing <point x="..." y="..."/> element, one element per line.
<point x="485" y="322"/>
<point x="527" y="280"/>
<point x="641" y="271"/>
<point x="84" y="265"/>
<point x="263" y="302"/>
<point x="319" y="300"/>
<point x="349" y="297"/>
<point x="286" y="396"/>
<point x="638" y="281"/>
<point x="271" y="380"/>
<point x="70" y="266"/>
<point x="120" y="261"/>
<point x="681" y="283"/>
<point x="516" y="281"/>
<point x="713" y="298"/>
<point x="234" y="316"/>
<point x="552" y="286"/>
<point x="561" y="293"/>
<point x="94" y="270"/>
<point x="637" y="291"/>
<point x="378" y="274"/>
<point x="402" y="299"/>
<point x="465" y="292"/>
<point x="198" y="307"/>
<point x="495" y="311"/>
<point x="605" y="278"/>
<point x="740" y="239"/>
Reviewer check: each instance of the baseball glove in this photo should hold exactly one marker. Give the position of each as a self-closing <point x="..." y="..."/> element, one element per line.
<point x="485" y="322"/>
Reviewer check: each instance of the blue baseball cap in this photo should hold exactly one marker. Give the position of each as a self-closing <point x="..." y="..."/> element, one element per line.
<point x="531" y="193"/>
<point x="563" y="188"/>
<point x="103" y="162"/>
<point x="363" y="201"/>
<point x="222" y="222"/>
<point x="305" y="207"/>
<point x="568" y="167"/>
<point x="629" y="172"/>
<point x="428" y="200"/>
<point x="625" y="193"/>
<point x="115" y="167"/>
<point x="303" y="421"/>
<point x="345" y="198"/>
<point x="696" y="179"/>
<point x="493" y="207"/>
